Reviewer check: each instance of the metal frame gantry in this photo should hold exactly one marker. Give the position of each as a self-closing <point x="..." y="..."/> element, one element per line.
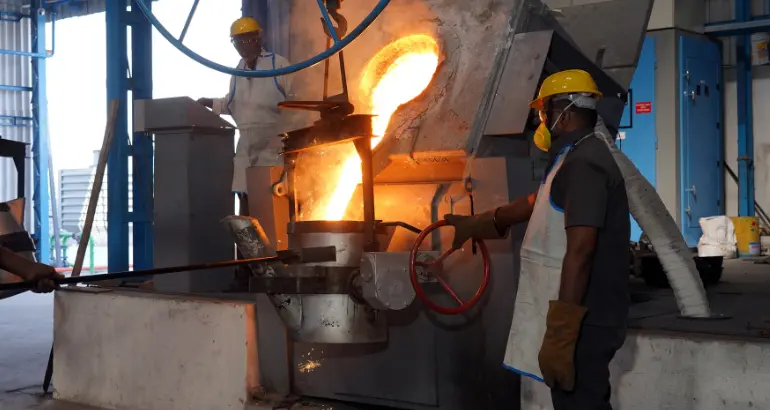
<point x="129" y="73"/>
<point x="742" y="28"/>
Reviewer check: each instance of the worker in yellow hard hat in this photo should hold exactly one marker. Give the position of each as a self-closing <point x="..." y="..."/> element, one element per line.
<point x="253" y="104"/>
<point x="572" y="302"/>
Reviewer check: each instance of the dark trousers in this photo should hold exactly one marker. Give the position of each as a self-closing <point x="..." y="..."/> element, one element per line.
<point x="595" y="349"/>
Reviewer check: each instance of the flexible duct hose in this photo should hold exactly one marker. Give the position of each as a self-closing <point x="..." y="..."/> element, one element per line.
<point x="650" y="213"/>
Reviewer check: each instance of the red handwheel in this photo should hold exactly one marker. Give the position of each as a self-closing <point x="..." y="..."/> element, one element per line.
<point x="435" y="269"/>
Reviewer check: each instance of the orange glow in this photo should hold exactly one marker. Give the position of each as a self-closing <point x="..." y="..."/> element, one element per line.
<point x="396" y="75"/>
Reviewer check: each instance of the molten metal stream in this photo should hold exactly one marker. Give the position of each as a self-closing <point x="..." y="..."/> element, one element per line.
<point x="403" y="80"/>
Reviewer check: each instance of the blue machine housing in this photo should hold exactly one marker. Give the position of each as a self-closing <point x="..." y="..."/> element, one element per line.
<point x="678" y="147"/>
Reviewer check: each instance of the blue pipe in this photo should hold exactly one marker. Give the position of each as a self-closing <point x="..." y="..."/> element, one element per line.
<point x="33" y="54"/>
<point x="12" y="16"/>
<point x="266" y="73"/>
<point x="189" y="20"/>
<point x="744" y="114"/>
<point x="14" y="88"/>
<point x="16" y="121"/>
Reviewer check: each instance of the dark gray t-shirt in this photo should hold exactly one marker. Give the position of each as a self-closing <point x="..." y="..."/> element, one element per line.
<point x="589" y="188"/>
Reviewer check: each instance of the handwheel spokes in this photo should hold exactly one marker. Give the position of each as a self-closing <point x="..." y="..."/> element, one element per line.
<point x="435" y="269"/>
<point x="189" y="20"/>
<point x="444" y="255"/>
<point x="444" y="284"/>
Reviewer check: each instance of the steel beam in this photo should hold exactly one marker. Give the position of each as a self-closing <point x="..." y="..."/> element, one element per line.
<point x="40" y="149"/>
<point x="142" y="153"/>
<point x="744" y="114"/>
<point x="117" y="163"/>
<point x="734" y="28"/>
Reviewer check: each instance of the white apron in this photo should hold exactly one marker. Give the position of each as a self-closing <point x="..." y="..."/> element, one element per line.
<point x="542" y="253"/>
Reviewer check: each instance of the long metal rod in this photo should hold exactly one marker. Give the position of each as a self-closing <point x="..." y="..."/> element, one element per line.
<point x="96" y="188"/>
<point x="364" y="148"/>
<point x="281" y="257"/>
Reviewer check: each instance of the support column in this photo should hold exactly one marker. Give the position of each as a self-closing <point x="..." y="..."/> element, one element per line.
<point x="142" y="153"/>
<point x="117" y="163"/>
<point x="40" y="149"/>
<point x="745" y="115"/>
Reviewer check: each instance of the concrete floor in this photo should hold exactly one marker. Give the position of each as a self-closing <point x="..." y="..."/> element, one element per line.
<point x="26" y="331"/>
<point x="26" y="327"/>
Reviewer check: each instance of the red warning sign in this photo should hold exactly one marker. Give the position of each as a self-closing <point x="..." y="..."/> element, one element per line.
<point x="643" y="107"/>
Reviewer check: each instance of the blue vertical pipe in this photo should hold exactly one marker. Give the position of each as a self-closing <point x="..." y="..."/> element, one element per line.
<point x="40" y="195"/>
<point x="142" y="174"/>
<point x="117" y="163"/>
<point x="744" y="111"/>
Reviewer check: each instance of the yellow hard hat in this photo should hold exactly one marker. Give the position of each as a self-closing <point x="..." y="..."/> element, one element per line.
<point x="565" y="82"/>
<point x="244" y="25"/>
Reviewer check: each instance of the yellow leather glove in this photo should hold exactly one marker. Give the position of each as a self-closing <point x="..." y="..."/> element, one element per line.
<point x="557" y="353"/>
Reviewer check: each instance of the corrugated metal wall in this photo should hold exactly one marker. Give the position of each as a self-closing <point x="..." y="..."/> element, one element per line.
<point x="15" y="71"/>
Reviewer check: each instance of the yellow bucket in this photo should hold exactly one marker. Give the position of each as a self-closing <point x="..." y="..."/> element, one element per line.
<point x="747" y="235"/>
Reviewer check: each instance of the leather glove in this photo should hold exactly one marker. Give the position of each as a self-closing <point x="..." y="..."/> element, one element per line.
<point x="557" y="353"/>
<point x="481" y="226"/>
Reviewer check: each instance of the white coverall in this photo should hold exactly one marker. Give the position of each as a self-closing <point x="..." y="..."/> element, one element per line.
<point x="253" y="104"/>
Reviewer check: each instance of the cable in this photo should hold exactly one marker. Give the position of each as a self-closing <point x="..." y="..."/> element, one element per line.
<point x="339" y="45"/>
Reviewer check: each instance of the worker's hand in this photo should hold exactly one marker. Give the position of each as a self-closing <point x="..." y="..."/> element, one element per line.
<point x="480" y="226"/>
<point x="557" y="353"/>
<point x="44" y="276"/>
<point x="206" y="102"/>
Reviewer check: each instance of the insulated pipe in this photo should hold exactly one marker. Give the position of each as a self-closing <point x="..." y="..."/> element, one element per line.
<point x="338" y="45"/>
<point x="650" y="213"/>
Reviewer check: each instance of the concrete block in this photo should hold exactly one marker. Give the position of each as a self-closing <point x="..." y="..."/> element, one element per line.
<point x="680" y="371"/>
<point x="138" y="351"/>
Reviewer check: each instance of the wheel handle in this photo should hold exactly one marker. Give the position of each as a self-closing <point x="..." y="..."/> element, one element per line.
<point x="436" y="270"/>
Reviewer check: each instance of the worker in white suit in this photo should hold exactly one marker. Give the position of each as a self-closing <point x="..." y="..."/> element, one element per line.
<point x="253" y="104"/>
<point x="573" y="298"/>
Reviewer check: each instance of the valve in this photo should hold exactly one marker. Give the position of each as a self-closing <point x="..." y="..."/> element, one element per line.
<point x="435" y="269"/>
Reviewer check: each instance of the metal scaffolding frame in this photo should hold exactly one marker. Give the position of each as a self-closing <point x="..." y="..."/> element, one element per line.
<point x="742" y="27"/>
<point x="122" y="79"/>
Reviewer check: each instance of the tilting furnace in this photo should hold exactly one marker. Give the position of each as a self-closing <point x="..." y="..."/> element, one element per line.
<point x="448" y="87"/>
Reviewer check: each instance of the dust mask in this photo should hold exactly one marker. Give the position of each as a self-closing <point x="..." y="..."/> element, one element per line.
<point x="543" y="133"/>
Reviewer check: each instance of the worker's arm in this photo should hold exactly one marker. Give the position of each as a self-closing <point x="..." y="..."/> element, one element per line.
<point x="515" y="212"/>
<point x="219" y="105"/>
<point x="585" y="209"/>
<point x="29" y="270"/>
<point x="493" y="224"/>
<point x="583" y="188"/>
<point x="578" y="260"/>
